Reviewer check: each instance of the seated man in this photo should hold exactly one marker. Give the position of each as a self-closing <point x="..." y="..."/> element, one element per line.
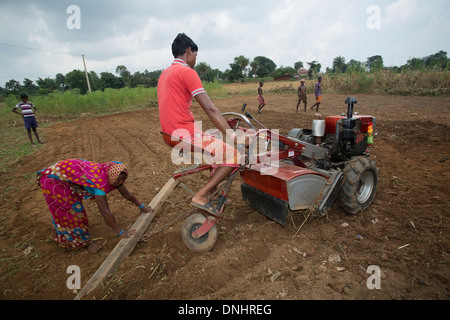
<point x="177" y="85"/>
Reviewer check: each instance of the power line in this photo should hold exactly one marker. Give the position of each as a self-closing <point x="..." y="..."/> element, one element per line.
<point x="35" y="49"/>
<point x="49" y="51"/>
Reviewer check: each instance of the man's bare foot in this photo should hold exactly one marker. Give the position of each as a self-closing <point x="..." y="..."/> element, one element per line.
<point x="200" y="200"/>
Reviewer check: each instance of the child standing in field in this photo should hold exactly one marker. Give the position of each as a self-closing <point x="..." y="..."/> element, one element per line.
<point x="318" y="93"/>
<point x="301" y="94"/>
<point x="28" y="117"/>
<point x="262" y="103"/>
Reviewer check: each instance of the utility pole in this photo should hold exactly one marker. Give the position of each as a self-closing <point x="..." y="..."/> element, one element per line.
<point x="85" y="71"/>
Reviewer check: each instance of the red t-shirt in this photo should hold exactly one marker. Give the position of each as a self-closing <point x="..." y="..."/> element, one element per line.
<point x="177" y="85"/>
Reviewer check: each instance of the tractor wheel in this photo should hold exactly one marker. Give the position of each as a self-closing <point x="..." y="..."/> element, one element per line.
<point x="205" y="242"/>
<point x="361" y="179"/>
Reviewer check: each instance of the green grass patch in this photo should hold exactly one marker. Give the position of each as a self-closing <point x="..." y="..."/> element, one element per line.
<point x="62" y="106"/>
<point x="14" y="146"/>
<point x="69" y="104"/>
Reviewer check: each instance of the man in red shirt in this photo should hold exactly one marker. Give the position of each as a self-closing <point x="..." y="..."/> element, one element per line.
<point x="177" y="85"/>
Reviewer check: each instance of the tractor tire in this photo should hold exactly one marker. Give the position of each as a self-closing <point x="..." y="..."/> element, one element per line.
<point x="205" y="242"/>
<point x="360" y="185"/>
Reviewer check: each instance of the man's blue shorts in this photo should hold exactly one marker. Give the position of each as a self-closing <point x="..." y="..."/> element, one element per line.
<point x="30" y="122"/>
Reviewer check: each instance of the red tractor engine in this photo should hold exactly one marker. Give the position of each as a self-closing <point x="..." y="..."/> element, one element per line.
<point x="317" y="166"/>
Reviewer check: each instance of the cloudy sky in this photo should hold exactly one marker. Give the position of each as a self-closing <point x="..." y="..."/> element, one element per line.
<point x="39" y="39"/>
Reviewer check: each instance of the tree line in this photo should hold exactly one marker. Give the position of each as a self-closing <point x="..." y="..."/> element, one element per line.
<point x="241" y="69"/>
<point x="435" y="62"/>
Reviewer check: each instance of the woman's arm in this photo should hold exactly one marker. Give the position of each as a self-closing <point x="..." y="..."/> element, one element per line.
<point x="103" y="206"/>
<point x="131" y="197"/>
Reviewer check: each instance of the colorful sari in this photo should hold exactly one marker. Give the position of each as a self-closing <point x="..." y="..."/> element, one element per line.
<point x="65" y="185"/>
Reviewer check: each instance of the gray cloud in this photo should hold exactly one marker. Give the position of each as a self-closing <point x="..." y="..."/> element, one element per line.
<point x="138" y="33"/>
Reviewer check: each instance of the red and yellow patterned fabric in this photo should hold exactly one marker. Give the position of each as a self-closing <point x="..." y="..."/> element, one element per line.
<point x="65" y="184"/>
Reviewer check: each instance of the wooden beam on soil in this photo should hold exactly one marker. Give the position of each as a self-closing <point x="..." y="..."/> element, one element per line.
<point x="126" y="246"/>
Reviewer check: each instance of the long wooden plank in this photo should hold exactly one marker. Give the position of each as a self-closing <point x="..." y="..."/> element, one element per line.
<point x="126" y="246"/>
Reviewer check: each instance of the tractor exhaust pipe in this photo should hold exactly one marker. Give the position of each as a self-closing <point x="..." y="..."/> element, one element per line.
<point x="348" y="125"/>
<point x="350" y="101"/>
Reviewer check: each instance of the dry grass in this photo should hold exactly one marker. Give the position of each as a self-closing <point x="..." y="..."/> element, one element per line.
<point x="427" y="83"/>
<point x="387" y="82"/>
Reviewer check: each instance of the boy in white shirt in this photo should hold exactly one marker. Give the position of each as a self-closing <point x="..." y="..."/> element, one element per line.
<point x="28" y="117"/>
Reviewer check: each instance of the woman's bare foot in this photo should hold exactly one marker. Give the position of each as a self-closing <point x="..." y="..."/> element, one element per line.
<point x="93" y="247"/>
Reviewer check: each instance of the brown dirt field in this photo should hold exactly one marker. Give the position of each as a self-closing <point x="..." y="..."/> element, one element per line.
<point x="404" y="232"/>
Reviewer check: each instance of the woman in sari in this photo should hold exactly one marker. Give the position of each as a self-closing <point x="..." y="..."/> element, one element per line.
<point x="67" y="183"/>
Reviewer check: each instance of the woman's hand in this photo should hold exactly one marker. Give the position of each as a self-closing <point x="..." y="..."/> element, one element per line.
<point x="128" y="234"/>
<point x="146" y="209"/>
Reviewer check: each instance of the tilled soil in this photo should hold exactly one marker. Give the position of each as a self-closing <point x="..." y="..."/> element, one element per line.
<point x="404" y="232"/>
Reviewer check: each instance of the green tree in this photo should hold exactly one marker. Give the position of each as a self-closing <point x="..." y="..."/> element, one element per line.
<point x="354" y="66"/>
<point x="437" y="61"/>
<point x="123" y="72"/>
<point x="152" y="77"/>
<point x="29" y="86"/>
<point x="234" y="74"/>
<point x="415" y="64"/>
<point x="46" y="85"/>
<point x="60" y="81"/>
<point x="314" y="68"/>
<point x="76" y="79"/>
<point x="13" y="86"/>
<point x="298" y="65"/>
<point x="253" y="69"/>
<point x="202" y="68"/>
<point x="145" y="79"/>
<point x="283" y="71"/>
<point x="242" y="62"/>
<point x="109" y="80"/>
<point x="375" y="63"/>
<point x="339" y="64"/>
<point x="262" y="66"/>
